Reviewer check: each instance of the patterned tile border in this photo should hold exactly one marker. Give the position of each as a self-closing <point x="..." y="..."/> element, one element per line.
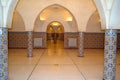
<point x="91" y="40"/>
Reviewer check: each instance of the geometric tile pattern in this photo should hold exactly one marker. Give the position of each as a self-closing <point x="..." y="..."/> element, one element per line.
<point x="30" y="44"/>
<point x="110" y="54"/>
<point x="18" y="40"/>
<point x="3" y="54"/>
<point x="118" y="40"/>
<point x="81" y="44"/>
<point x="91" y="40"/>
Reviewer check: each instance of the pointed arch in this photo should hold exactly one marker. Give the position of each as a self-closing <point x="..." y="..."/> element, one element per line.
<point x="9" y="12"/>
<point x="94" y="23"/>
<point x="60" y="24"/>
<point x="76" y="24"/>
<point x="17" y="22"/>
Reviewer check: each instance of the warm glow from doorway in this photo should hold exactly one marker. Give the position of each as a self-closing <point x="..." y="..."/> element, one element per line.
<point x="55" y="24"/>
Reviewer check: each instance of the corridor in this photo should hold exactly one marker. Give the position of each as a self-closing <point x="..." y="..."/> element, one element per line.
<point x="56" y="63"/>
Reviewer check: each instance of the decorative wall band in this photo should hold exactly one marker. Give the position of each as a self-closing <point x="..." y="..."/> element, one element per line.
<point x="91" y="40"/>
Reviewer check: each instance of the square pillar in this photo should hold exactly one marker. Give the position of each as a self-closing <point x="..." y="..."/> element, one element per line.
<point x="110" y="54"/>
<point x="30" y="44"/>
<point x="3" y="53"/>
<point x="81" y="44"/>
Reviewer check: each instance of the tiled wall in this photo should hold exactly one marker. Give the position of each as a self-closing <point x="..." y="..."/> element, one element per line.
<point x="20" y="39"/>
<point x="17" y="39"/>
<point x="91" y="40"/>
<point x="118" y="40"/>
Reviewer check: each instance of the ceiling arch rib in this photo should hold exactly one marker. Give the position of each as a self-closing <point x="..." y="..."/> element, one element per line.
<point x="102" y="6"/>
<point x="4" y="2"/>
<point x="109" y="13"/>
<point x="0" y="4"/>
<point x="115" y="15"/>
<point x="101" y="9"/>
<point x="109" y="3"/>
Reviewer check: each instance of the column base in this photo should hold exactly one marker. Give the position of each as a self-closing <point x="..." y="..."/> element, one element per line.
<point x="30" y="56"/>
<point x="80" y="55"/>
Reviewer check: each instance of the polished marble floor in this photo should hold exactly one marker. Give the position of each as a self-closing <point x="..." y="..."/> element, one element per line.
<point x="56" y="63"/>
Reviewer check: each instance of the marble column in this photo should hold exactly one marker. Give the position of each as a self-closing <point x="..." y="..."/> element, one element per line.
<point x="3" y="54"/>
<point x="81" y="44"/>
<point x="110" y="54"/>
<point x="30" y="44"/>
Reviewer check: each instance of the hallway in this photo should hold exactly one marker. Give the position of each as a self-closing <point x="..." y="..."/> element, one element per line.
<point x="56" y="63"/>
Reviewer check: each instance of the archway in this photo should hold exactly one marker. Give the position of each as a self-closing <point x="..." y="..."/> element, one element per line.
<point x="55" y="34"/>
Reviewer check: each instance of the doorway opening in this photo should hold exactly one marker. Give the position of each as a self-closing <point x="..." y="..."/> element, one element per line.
<point x="55" y="35"/>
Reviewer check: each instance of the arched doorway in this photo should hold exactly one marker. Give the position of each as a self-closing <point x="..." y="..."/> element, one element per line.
<point x="55" y="34"/>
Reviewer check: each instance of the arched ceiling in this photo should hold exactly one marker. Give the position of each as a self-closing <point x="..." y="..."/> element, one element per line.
<point x="55" y="27"/>
<point x="56" y="12"/>
<point x="108" y="10"/>
<point x="80" y="9"/>
<point x="17" y="23"/>
<point x="60" y="14"/>
<point x="109" y="13"/>
<point x="115" y="15"/>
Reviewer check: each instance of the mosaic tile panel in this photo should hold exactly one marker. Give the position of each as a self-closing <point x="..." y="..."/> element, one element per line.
<point x="20" y="39"/>
<point x="91" y="40"/>
<point x="30" y="44"/>
<point x="81" y="44"/>
<point x="110" y="55"/>
<point x="118" y="41"/>
<point x="94" y="40"/>
<point x="3" y="54"/>
<point x="17" y="39"/>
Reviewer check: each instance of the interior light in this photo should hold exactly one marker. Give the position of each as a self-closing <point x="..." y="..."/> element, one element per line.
<point x="42" y="18"/>
<point x="69" y="19"/>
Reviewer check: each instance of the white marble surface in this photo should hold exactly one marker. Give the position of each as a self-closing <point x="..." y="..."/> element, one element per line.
<point x="56" y="63"/>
